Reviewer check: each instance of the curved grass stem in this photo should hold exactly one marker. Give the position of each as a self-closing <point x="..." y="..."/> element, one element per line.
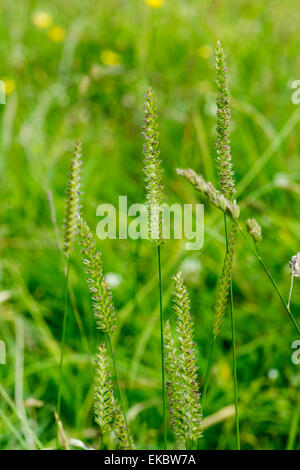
<point x="63" y="338"/>
<point x="162" y="349"/>
<point x="101" y="447"/>
<point x="259" y="258"/>
<point x="291" y="291"/>
<point x="237" y="421"/>
<point x="287" y="307"/>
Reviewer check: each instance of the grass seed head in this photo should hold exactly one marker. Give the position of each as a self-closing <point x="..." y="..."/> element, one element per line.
<point x="216" y="197"/>
<point x="119" y="427"/>
<point x="254" y="229"/>
<point x="295" y="265"/>
<point x="181" y="368"/>
<point x="73" y="206"/>
<point x="103" y="396"/>
<point x="100" y="292"/>
<point x="224" y="163"/>
<point x="152" y="168"/>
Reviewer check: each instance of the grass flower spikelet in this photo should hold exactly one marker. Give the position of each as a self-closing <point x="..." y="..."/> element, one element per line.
<point x="72" y="200"/>
<point x="216" y="197"/>
<point x="224" y="162"/>
<point x="173" y="389"/>
<point x="254" y="230"/>
<point x="119" y="427"/>
<point x="152" y="168"/>
<point x="103" y="397"/>
<point x="295" y="265"/>
<point x="182" y="369"/>
<point x="101" y="295"/>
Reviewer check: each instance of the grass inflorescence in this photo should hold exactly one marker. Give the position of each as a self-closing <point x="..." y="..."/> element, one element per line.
<point x="48" y="333"/>
<point x="182" y="369"/>
<point x="73" y="200"/>
<point x="72" y="210"/>
<point x="100" y="293"/>
<point x="154" y="195"/>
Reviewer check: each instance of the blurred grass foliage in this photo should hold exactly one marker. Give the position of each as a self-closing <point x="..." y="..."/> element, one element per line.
<point x="80" y="71"/>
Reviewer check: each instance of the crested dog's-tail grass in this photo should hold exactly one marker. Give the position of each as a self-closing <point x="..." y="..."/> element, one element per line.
<point x="227" y="185"/>
<point x="103" y="308"/>
<point x="120" y="430"/>
<point x="154" y="194"/>
<point x="100" y="294"/>
<point x="223" y="200"/>
<point x="152" y="167"/>
<point x="72" y="211"/>
<point x="181" y="368"/>
<point x="108" y="414"/>
<point x="224" y="163"/>
<point x="73" y="200"/>
<point x="103" y="395"/>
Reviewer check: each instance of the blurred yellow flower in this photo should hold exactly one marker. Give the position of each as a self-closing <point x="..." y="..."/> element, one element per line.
<point x="56" y="34"/>
<point x="205" y="51"/>
<point x="9" y="85"/>
<point x="42" y="19"/>
<point x="224" y="372"/>
<point x="110" y="57"/>
<point x="155" y="3"/>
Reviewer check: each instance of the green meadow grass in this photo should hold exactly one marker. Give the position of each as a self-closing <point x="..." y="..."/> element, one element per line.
<point x="90" y="86"/>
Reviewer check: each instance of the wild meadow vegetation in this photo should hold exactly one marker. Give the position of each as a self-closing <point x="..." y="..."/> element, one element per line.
<point x="131" y="343"/>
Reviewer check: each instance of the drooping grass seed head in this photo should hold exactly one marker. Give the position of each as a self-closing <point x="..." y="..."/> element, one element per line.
<point x="73" y="205"/>
<point x="216" y="197"/>
<point x="224" y="163"/>
<point x="295" y="265"/>
<point x="254" y="230"/>
<point x="103" y="395"/>
<point x="152" y="168"/>
<point x="101" y="295"/>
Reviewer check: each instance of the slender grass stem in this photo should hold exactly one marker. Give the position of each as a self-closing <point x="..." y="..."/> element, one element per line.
<point x="119" y="386"/>
<point x="208" y="367"/>
<point x="237" y="423"/>
<point x="287" y="307"/>
<point x="162" y="349"/>
<point x="293" y="428"/>
<point x="101" y="447"/>
<point x="83" y="336"/>
<point x="291" y="291"/>
<point x="259" y="258"/>
<point x="63" y="339"/>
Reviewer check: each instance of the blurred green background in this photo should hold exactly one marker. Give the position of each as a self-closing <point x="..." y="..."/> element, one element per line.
<point x="79" y="70"/>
